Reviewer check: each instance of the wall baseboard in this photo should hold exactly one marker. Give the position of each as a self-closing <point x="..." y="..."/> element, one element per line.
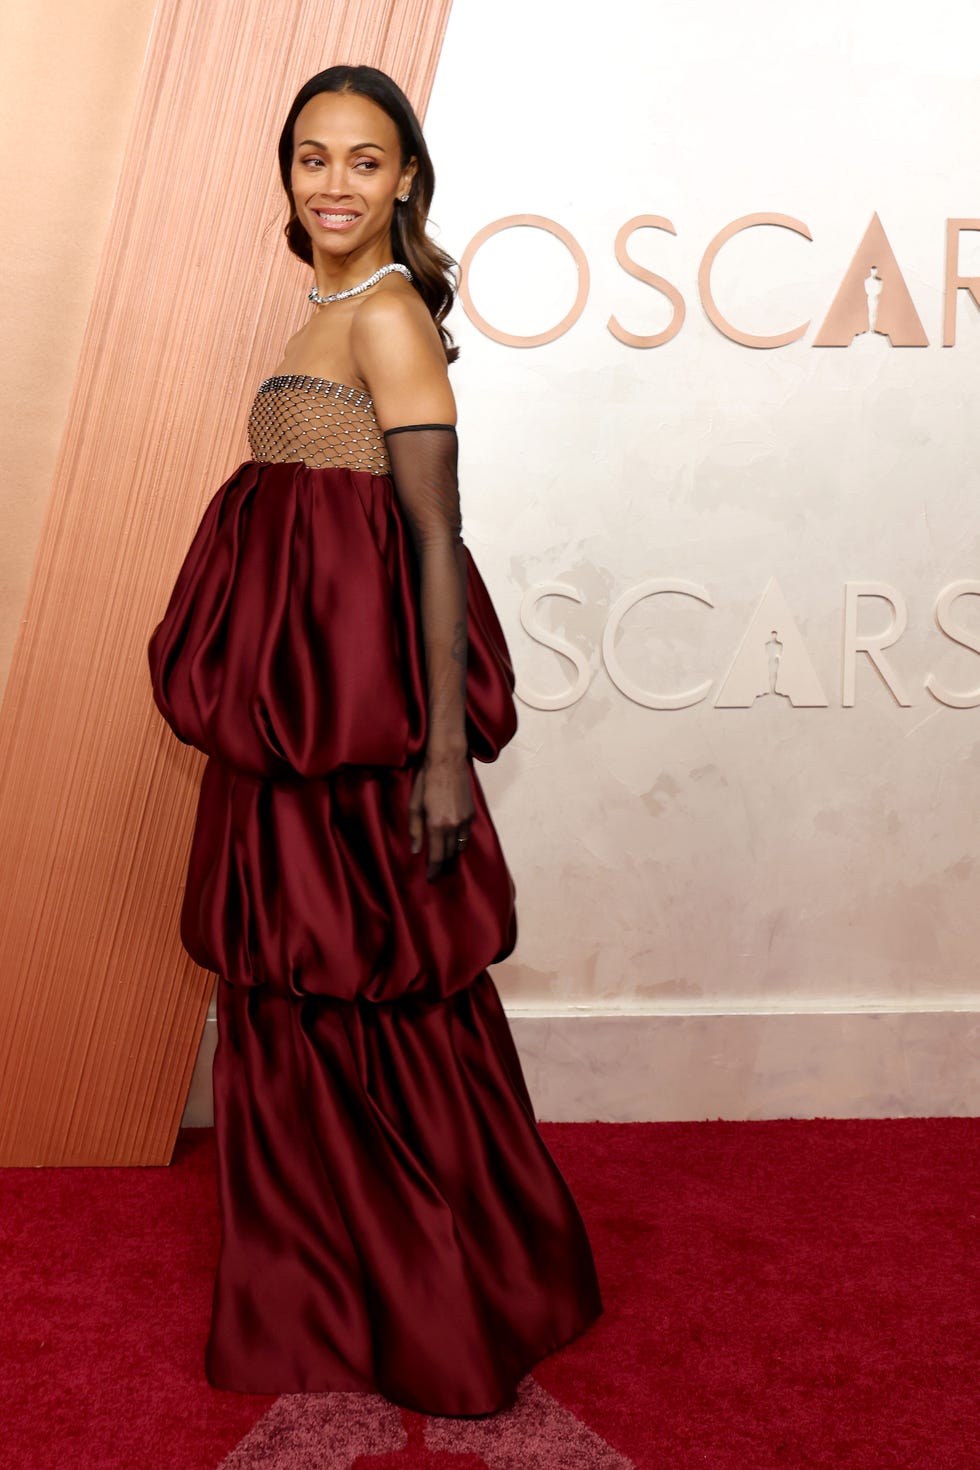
<point x="645" y="1065"/>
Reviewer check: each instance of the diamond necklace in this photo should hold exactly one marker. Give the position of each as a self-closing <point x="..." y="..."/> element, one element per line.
<point x="319" y="300"/>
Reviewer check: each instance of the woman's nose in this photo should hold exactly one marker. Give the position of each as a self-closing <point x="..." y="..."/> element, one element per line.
<point x="334" y="182"/>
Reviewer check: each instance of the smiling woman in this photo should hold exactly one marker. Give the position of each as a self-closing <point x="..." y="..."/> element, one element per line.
<point x="391" y="1219"/>
<point x="359" y="181"/>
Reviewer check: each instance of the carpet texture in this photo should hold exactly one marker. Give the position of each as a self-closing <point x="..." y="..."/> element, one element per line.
<point x="778" y="1295"/>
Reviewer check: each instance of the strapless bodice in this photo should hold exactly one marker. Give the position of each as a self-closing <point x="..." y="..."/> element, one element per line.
<point x="324" y="424"/>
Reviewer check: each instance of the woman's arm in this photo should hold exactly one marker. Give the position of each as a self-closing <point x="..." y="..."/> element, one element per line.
<point x="399" y="355"/>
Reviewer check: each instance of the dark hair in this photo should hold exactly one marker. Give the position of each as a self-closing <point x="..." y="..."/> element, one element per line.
<point x="433" y="271"/>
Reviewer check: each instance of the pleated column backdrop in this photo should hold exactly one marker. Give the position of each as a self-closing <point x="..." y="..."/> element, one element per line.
<point x="102" y="1010"/>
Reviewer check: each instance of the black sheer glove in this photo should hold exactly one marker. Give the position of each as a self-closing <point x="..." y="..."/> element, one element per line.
<point x="424" y="469"/>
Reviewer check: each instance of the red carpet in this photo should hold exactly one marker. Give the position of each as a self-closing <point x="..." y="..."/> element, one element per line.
<point x="782" y="1294"/>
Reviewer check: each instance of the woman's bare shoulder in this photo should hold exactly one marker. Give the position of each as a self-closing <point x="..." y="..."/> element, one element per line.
<point x="396" y="322"/>
<point x="398" y="352"/>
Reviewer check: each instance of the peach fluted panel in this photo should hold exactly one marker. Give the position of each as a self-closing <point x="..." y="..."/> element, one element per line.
<point x="196" y="295"/>
<point x="80" y="62"/>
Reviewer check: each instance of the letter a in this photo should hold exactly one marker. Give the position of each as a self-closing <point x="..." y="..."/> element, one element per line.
<point x="897" y="317"/>
<point x="750" y="673"/>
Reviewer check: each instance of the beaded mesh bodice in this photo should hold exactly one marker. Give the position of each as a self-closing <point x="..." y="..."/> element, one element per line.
<point x="324" y="424"/>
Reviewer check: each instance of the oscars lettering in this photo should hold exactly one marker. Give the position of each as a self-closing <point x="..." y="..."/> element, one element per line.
<point x="872" y="300"/>
<point x="772" y="658"/>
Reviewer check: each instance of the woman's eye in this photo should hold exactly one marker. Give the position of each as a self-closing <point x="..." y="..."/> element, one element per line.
<point x="371" y="164"/>
<point x="313" y="159"/>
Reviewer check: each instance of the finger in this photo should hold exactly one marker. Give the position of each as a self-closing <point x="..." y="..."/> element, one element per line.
<point x="437" y="852"/>
<point x="454" y="846"/>
<point x="416" y="817"/>
<point x="444" y="850"/>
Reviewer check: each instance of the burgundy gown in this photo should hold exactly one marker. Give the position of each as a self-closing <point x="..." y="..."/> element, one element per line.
<point x="391" y="1220"/>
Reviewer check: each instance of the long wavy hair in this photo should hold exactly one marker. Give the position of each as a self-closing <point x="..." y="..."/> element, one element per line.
<point x="434" y="273"/>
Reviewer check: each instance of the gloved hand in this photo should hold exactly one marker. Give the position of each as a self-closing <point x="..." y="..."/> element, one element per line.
<point x="424" y="461"/>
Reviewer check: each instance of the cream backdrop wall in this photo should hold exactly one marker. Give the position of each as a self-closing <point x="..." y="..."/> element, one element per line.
<point x="751" y="911"/>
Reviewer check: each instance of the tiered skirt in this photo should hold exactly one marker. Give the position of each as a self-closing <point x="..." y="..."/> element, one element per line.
<point x="391" y="1220"/>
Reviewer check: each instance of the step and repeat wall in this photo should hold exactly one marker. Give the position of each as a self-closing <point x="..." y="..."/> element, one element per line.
<point x="719" y="439"/>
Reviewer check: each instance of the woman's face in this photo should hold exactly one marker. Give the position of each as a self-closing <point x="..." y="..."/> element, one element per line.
<point x="346" y="172"/>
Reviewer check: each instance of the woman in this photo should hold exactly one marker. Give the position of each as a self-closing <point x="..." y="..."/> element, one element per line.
<point x="391" y="1219"/>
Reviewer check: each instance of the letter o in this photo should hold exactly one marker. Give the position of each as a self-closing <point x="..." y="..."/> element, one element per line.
<point x="537" y="222"/>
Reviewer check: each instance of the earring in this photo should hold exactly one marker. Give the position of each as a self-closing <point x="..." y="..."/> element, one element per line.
<point x="403" y="198"/>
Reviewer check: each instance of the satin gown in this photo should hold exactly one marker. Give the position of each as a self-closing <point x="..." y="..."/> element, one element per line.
<point x="391" y="1220"/>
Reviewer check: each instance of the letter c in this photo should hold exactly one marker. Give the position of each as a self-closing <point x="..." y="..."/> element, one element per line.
<point x="746" y="339"/>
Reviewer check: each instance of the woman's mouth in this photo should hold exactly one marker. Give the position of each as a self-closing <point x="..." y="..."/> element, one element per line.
<point x="335" y="219"/>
